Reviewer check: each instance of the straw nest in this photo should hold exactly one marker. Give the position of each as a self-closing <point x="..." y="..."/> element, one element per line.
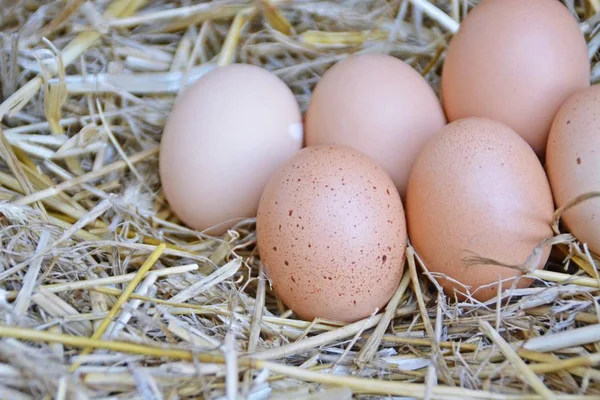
<point x="94" y="305"/>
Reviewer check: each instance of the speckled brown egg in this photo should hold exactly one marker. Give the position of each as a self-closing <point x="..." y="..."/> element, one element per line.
<point x="478" y="189"/>
<point x="332" y="234"/>
<point x="573" y="163"/>
<point x="515" y="62"/>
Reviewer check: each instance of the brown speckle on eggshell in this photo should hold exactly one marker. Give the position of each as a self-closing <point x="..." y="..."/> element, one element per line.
<point x="338" y="224"/>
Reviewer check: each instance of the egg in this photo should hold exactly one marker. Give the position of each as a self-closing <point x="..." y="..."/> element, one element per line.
<point x="573" y="163"/>
<point x="515" y="62"/>
<point x="378" y="105"/>
<point x="227" y="133"/>
<point x="477" y="189"/>
<point x="331" y="234"/>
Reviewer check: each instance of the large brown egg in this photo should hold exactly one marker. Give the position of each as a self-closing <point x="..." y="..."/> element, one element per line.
<point x="378" y="105"/>
<point x="573" y="163"/>
<point x="516" y="62"/>
<point x="478" y="189"/>
<point x="226" y="135"/>
<point x="331" y="234"/>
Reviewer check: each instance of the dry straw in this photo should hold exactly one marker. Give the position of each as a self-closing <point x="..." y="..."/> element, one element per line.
<point x="105" y="294"/>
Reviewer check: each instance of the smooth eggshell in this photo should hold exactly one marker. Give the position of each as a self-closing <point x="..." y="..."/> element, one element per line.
<point x="573" y="163"/>
<point x="225" y="136"/>
<point x="515" y="62"/>
<point x="332" y="234"/>
<point x="378" y="105"/>
<point x="477" y="188"/>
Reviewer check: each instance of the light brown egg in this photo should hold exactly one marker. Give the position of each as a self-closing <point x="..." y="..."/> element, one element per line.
<point x="378" y="105"/>
<point x="515" y="62"/>
<point x="477" y="188"/>
<point x="573" y="163"/>
<point x="226" y="135"/>
<point x="331" y="234"/>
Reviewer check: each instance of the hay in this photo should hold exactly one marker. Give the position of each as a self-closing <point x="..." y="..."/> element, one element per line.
<point x="93" y="305"/>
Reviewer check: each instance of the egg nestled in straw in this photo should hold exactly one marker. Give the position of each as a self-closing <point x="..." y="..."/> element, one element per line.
<point x="573" y="164"/>
<point x="226" y="135"/>
<point x="477" y="191"/>
<point x="331" y="234"/>
<point x="378" y="105"/>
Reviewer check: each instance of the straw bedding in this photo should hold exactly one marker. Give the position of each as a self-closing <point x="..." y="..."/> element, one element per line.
<point x="105" y="294"/>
